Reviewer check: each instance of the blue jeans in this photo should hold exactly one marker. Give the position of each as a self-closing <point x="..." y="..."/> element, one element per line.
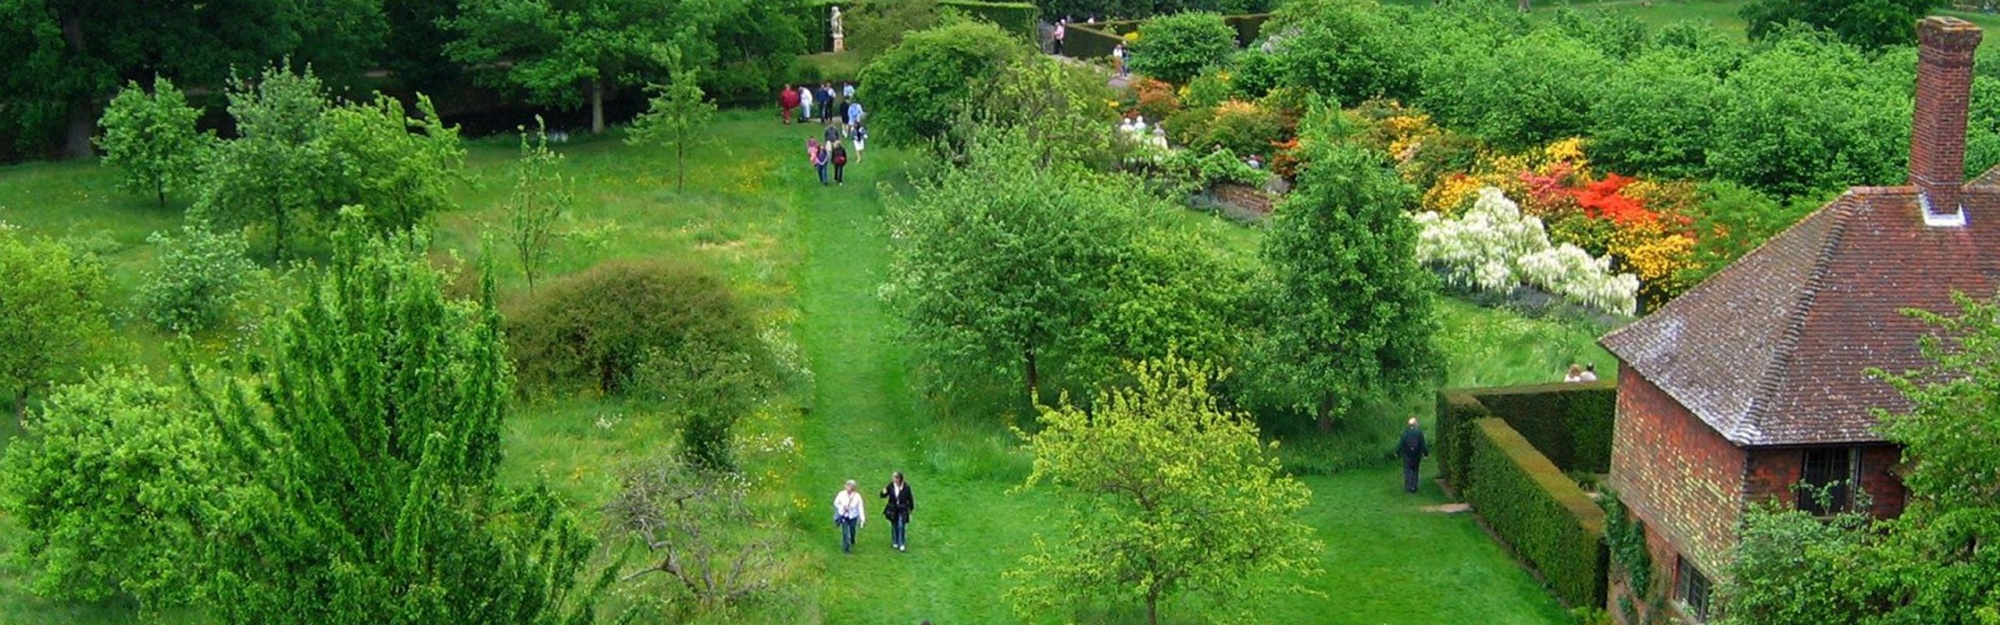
<point x="899" y="531"/>
<point x="847" y="526"/>
<point x="822" y="172"/>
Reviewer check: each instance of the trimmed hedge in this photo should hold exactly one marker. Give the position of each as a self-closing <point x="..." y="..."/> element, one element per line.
<point x="1089" y="41"/>
<point x="1571" y="423"/>
<point x="1456" y="410"/>
<point x="1020" y="18"/>
<point x="1541" y="513"/>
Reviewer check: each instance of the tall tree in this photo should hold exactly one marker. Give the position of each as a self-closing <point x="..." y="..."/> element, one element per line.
<point x="1349" y="316"/>
<point x="1867" y="23"/>
<point x="676" y="117"/>
<point x="65" y="58"/>
<point x="562" y="52"/>
<point x="370" y="438"/>
<point x="153" y="138"/>
<point x="542" y="195"/>
<point x="55" y="321"/>
<point x="1165" y="493"/>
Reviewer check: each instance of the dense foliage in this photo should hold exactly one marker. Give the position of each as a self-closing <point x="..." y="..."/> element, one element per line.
<point x="55" y="322"/>
<point x="598" y="328"/>
<point x="931" y="77"/>
<point x="1177" y="47"/>
<point x="1870" y="23"/>
<point x="1080" y="10"/>
<point x="113" y="482"/>
<point x="1164" y="493"/>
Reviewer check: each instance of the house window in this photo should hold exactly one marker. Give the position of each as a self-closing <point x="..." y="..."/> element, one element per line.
<point x="1691" y="588"/>
<point x="1829" y="472"/>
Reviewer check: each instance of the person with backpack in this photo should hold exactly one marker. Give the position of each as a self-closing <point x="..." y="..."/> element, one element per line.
<point x="839" y="164"/>
<point x="1411" y="448"/>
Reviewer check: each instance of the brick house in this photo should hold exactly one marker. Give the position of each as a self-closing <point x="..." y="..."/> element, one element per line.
<point x="1756" y="380"/>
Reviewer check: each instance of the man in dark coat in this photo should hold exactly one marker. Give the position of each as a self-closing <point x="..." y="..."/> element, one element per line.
<point x="1411" y="448"/>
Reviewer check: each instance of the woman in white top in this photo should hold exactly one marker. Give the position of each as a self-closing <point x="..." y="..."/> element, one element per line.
<point x="848" y="514"/>
<point x="806" y="100"/>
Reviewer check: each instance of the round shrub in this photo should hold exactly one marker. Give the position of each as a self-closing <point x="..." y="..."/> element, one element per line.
<point x="201" y="273"/>
<point x="929" y="75"/>
<point x="598" y="329"/>
<point x="1176" y="48"/>
<point x="1244" y="128"/>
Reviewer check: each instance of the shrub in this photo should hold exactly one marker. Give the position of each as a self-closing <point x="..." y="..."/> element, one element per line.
<point x="1243" y="128"/>
<point x="597" y="329"/>
<point x="1210" y="88"/>
<point x="930" y="75"/>
<point x="1493" y="247"/>
<point x="1542" y="514"/>
<point x="1157" y="100"/>
<point x="200" y="275"/>
<point x="1568" y="422"/>
<point x="1176" y="48"/>
<point x="874" y="27"/>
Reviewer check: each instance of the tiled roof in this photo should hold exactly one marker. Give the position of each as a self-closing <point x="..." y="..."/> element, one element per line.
<point x="1775" y="349"/>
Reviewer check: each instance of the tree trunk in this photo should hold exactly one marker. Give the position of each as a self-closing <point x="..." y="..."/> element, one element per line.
<point x="1034" y="376"/>
<point x="21" y="408"/>
<point x="1326" y="414"/>
<point x="278" y="231"/>
<point x="160" y="191"/>
<point x="1524" y="6"/>
<point x="1153" y="607"/>
<point x="596" y="107"/>
<point x="681" y="164"/>
<point x="82" y="114"/>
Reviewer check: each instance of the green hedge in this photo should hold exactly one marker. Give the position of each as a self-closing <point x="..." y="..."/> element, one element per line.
<point x="1455" y="412"/>
<point x="1571" y="423"/>
<point x="1019" y="18"/>
<point x="1537" y="510"/>
<point x="1089" y="41"/>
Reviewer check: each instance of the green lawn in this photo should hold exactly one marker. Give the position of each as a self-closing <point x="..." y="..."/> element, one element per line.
<point x="810" y="259"/>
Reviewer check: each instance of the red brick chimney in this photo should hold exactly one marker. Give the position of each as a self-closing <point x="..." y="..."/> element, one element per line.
<point x="1937" y="138"/>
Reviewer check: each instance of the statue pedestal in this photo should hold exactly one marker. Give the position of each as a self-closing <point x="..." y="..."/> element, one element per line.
<point x="839" y="43"/>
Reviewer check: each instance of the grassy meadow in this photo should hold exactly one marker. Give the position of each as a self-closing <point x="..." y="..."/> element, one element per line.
<point x="810" y="259"/>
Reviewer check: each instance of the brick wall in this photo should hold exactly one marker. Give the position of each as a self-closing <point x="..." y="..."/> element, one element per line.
<point x="1774" y="471"/>
<point x="1245" y="197"/>
<point x="1678" y="475"/>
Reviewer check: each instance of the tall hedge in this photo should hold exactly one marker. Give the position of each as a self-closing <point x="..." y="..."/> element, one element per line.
<point x="1019" y="18"/>
<point x="1571" y="423"/>
<point x="1547" y="519"/>
<point x="1456" y="410"/>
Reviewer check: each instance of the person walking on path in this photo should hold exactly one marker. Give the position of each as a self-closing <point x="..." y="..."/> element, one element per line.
<point x="819" y="156"/>
<point x="849" y="515"/>
<point x="831" y="134"/>
<point x="1062" y="31"/>
<point x="839" y="164"/>
<point x="900" y="505"/>
<point x="860" y="134"/>
<point x="1412" y="450"/>
<point x="1118" y="58"/>
<point x="847" y="90"/>
<point x="806" y="100"/>
<point x="854" y="112"/>
<point x="827" y="107"/>
<point x="787" y="100"/>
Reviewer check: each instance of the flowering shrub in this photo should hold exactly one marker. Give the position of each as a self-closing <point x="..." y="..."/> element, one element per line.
<point x="1211" y="88"/>
<point x="1156" y="100"/>
<point x="1243" y="128"/>
<point x="1494" y="247"/>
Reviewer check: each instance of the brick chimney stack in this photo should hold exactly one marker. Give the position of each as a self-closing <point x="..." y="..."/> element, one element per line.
<point x="1944" y="91"/>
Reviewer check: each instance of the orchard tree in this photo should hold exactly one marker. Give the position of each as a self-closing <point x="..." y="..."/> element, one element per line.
<point x="274" y="173"/>
<point x="153" y="138"/>
<point x="55" y="322"/>
<point x="369" y="436"/>
<point x="398" y="168"/>
<point x="1009" y="269"/>
<point x="1176" y="48"/>
<point x="64" y="59"/>
<point x="113" y="482"/>
<point x="676" y="117"/>
<point x="562" y="52"/>
<point x="700" y="530"/>
<point x="1054" y="104"/>
<point x="542" y="195"/>
<point x="1350" y="314"/>
<point x="1163" y="493"/>
<point x="925" y="83"/>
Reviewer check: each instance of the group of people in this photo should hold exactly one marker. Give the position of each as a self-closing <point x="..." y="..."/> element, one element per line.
<point x="1581" y="373"/>
<point x="1059" y="36"/>
<point x="845" y="125"/>
<point x="850" y="512"/>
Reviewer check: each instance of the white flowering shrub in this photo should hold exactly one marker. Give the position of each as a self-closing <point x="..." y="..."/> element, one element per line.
<point x="1493" y="247"/>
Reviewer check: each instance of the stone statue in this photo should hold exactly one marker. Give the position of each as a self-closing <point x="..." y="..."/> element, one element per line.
<point x="839" y="36"/>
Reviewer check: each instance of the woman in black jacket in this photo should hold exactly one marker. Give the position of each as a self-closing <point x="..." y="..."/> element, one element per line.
<point x="898" y="509"/>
